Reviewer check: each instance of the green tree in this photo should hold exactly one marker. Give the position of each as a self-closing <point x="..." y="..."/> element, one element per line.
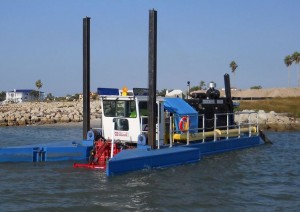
<point x="69" y="97"/>
<point x="233" y="67"/>
<point x="288" y="61"/>
<point x="34" y="94"/>
<point x="202" y="85"/>
<point x="2" y="96"/>
<point x="76" y="96"/>
<point x="296" y="59"/>
<point x="162" y="92"/>
<point x="38" y="84"/>
<point x="50" y="97"/>
<point x="256" y="87"/>
<point x="195" y="88"/>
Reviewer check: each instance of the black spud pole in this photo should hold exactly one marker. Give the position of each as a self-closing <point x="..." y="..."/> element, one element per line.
<point x="86" y="76"/>
<point x="152" y="54"/>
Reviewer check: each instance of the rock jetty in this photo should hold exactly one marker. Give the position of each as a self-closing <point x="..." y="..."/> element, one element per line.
<point x="271" y="121"/>
<point x="38" y="113"/>
<point x="29" y="113"/>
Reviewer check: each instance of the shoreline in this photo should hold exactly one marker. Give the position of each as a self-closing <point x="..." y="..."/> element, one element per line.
<point x="70" y="114"/>
<point x="95" y="123"/>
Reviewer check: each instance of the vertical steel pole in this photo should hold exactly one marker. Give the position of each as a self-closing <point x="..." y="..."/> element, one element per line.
<point x="227" y="125"/>
<point x="257" y="125"/>
<point x="171" y="131"/>
<point x="112" y="141"/>
<point x="239" y="123"/>
<point x="86" y="76"/>
<point x="152" y="54"/>
<point x="189" y="88"/>
<point x="215" y="127"/>
<point x="250" y="121"/>
<point x="188" y="131"/>
<point x="203" y="127"/>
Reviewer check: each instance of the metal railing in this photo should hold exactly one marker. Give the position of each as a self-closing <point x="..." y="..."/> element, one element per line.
<point x="237" y="124"/>
<point x="218" y="126"/>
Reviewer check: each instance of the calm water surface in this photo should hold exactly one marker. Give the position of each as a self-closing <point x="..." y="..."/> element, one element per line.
<point x="265" y="178"/>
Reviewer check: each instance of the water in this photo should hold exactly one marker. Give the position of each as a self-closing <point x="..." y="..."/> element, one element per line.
<point x="264" y="178"/>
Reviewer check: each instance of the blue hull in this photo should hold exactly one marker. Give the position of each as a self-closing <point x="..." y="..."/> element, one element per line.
<point x="45" y="152"/>
<point x="127" y="160"/>
<point x="137" y="159"/>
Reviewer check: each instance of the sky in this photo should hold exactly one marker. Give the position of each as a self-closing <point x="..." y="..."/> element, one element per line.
<point x="196" y="41"/>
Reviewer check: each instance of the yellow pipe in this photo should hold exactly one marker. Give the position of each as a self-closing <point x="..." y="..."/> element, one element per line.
<point x="242" y="130"/>
<point x="219" y="133"/>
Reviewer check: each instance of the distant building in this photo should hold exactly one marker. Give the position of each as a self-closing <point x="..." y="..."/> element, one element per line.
<point x="174" y="93"/>
<point x="91" y="96"/>
<point x="21" y="95"/>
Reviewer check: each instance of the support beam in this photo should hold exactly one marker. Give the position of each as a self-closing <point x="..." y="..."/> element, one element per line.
<point x="86" y="76"/>
<point x="152" y="54"/>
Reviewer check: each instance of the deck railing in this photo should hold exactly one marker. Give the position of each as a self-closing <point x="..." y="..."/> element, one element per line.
<point x="232" y="127"/>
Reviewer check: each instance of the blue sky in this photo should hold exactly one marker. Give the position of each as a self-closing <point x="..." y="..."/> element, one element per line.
<point x="197" y="39"/>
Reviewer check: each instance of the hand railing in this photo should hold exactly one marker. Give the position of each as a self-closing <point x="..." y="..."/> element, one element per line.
<point x="219" y="128"/>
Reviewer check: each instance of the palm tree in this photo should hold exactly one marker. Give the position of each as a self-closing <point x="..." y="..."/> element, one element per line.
<point x="233" y="66"/>
<point x="296" y="59"/>
<point x="202" y="85"/>
<point x="288" y="62"/>
<point x="39" y="84"/>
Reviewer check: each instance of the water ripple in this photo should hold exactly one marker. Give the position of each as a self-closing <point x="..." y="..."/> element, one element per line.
<point x="265" y="178"/>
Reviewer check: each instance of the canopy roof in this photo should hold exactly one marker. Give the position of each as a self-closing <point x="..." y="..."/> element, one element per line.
<point x="179" y="106"/>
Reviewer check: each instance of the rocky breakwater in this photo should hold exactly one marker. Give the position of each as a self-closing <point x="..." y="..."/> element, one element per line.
<point x="29" y="113"/>
<point x="270" y="121"/>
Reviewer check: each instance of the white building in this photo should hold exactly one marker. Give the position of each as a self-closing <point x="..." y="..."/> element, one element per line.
<point x="21" y="95"/>
<point x="174" y="93"/>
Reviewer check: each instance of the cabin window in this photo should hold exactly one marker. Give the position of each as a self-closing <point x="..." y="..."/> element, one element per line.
<point x="121" y="124"/>
<point x="143" y="108"/>
<point x="119" y="108"/>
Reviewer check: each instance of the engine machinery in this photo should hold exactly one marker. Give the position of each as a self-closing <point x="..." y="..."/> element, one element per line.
<point x="210" y="103"/>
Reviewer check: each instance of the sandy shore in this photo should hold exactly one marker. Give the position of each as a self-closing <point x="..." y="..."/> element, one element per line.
<point x="265" y="93"/>
<point x="260" y="93"/>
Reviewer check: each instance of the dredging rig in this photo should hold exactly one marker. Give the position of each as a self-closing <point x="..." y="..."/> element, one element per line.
<point x="140" y="130"/>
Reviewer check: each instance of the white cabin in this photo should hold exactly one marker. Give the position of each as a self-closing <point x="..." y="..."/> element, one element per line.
<point x="125" y="115"/>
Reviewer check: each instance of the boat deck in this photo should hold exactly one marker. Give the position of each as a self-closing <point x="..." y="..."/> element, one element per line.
<point x="137" y="159"/>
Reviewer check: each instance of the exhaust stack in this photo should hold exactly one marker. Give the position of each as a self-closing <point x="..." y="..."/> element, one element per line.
<point x="228" y="92"/>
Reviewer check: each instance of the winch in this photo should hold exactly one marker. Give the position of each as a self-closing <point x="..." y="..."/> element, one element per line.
<point x="100" y="152"/>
